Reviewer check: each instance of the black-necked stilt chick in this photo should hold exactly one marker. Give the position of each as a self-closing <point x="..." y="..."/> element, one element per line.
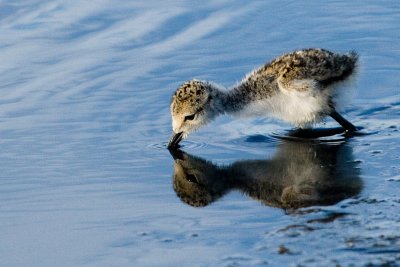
<point x="298" y="87"/>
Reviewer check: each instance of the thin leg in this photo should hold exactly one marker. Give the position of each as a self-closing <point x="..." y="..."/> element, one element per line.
<point x="342" y="121"/>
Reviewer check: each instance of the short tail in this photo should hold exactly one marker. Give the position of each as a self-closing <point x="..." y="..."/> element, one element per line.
<point x="351" y="64"/>
<point x="345" y="65"/>
<point x="353" y="57"/>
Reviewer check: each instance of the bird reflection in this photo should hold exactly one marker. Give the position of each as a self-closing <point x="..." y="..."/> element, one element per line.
<point x="300" y="174"/>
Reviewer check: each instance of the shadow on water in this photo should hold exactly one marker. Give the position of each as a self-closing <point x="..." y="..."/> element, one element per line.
<point x="328" y="135"/>
<point x="315" y="135"/>
<point x="300" y="174"/>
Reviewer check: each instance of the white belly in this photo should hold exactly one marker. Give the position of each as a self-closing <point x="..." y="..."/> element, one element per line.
<point x="298" y="108"/>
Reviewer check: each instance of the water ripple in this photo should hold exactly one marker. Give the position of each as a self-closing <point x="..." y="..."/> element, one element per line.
<point x="183" y="145"/>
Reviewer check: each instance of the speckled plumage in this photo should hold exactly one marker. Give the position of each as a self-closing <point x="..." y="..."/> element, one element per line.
<point x="295" y="87"/>
<point x="318" y="64"/>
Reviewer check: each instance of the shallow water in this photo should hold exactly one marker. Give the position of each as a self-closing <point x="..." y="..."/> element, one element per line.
<point x="85" y="178"/>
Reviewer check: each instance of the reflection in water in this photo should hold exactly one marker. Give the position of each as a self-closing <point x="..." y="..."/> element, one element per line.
<point x="300" y="174"/>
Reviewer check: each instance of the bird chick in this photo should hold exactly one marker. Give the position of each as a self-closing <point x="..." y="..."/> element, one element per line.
<point x="298" y="88"/>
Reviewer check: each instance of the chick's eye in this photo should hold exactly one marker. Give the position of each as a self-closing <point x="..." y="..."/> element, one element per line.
<point x="190" y="117"/>
<point x="191" y="178"/>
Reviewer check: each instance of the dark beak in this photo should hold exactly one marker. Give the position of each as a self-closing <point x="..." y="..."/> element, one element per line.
<point x="175" y="139"/>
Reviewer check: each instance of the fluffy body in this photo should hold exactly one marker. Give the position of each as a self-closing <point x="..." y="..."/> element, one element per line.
<point x="299" y="87"/>
<point x="286" y="106"/>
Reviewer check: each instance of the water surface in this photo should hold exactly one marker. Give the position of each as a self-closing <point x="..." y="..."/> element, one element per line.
<point x="85" y="178"/>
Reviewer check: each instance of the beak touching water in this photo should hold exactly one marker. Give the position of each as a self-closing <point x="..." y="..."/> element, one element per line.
<point x="175" y="139"/>
<point x="176" y="153"/>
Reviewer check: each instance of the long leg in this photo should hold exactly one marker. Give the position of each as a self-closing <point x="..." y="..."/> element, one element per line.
<point x="342" y="121"/>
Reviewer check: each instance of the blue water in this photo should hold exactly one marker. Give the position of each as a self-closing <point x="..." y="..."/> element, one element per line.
<point x="85" y="179"/>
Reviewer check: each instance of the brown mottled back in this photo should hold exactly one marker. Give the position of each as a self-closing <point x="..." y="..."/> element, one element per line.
<point x="311" y="64"/>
